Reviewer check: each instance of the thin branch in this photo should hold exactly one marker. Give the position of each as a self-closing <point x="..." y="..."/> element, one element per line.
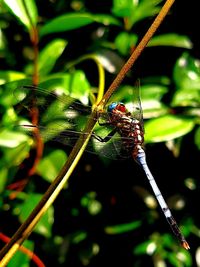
<point x="136" y="53"/>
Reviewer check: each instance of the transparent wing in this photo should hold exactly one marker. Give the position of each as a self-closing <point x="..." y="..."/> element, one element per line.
<point x="135" y="106"/>
<point x="61" y="118"/>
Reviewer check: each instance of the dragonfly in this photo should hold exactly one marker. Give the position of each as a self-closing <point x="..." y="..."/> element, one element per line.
<point x="123" y="127"/>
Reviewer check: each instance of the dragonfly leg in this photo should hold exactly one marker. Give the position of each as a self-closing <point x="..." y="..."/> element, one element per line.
<point x="104" y="123"/>
<point x="104" y="139"/>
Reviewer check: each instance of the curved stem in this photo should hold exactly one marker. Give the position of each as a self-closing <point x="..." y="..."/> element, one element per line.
<point x="101" y="72"/>
<point x="34" y="113"/>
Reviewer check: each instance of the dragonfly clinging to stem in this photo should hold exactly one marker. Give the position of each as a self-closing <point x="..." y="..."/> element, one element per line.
<point x="129" y="126"/>
<point x="132" y="135"/>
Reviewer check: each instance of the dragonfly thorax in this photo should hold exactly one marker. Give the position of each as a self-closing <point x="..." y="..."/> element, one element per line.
<point x="129" y="128"/>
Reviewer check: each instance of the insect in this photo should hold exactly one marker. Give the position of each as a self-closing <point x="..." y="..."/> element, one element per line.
<point x="123" y="127"/>
<point x="132" y="135"/>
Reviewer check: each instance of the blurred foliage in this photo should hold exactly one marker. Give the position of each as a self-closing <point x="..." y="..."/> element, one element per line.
<point x="98" y="218"/>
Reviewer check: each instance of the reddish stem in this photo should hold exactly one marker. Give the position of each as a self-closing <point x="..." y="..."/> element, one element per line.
<point x="26" y="251"/>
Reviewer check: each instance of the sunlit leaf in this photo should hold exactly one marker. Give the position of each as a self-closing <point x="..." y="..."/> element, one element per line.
<point x="2" y="40"/>
<point x="50" y="165"/>
<point x="197" y="138"/>
<point x="135" y="11"/>
<point x="167" y="128"/>
<point x="44" y="226"/>
<point x="186" y="98"/>
<point x="153" y="91"/>
<point x="110" y="60"/>
<point x="79" y="236"/>
<point x="145" y="9"/>
<point x="9" y="91"/>
<point x="48" y="57"/>
<point x="143" y="247"/>
<point x="123" y="8"/>
<point x="105" y="19"/>
<point x="27" y="15"/>
<point x="171" y="39"/>
<point x="91" y="203"/>
<point x="122" y="228"/>
<point x="73" y="21"/>
<point x="10" y="75"/>
<point x="75" y="84"/>
<point x="160" y="80"/>
<point x="3" y="178"/>
<point x="124" y="42"/>
<point x="187" y="72"/>
<point x="16" y="155"/>
<point x="50" y="54"/>
<point x="11" y="139"/>
<point x="80" y="87"/>
<point x="183" y="256"/>
<point x="153" y="109"/>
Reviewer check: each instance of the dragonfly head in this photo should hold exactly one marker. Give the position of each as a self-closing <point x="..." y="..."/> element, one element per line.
<point x="116" y="106"/>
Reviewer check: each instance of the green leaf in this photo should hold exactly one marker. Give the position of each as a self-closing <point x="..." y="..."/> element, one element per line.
<point x="171" y="39"/>
<point x="50" y="165"/>
<point x="124" y="42"/>
<point x="73" y="21"/>
<point x="167" y="128"/>
<point x="143" y="247"/>
<point x="48" y="57"/>
<point x="122" y="228"/>
<point x="65" y="23"/>
<point x="187" y="72"/>
<point x="182" y="256"/>
<point x="75" y="85"/>
<point x="153" y="109"/>
<point x="186" y="98"/>
<point x="144" y="10"/>
<point x="27" y="15"/>
<point x="80" y="87"/>
<point x="44" y="226"/>
<point x="9" y="91"/>
<point x="135" y="11"/>
<point x="3" y="178"/>
<point x="11" y="139"/>
<point x="197" y="138"/>
<point x="124" y="8"/>
<point x="152" y="91"/>
<point x="105" y="19"/>
<point x="91" y="203"/>
<point x="50" y="54"/>
<point x="10" y="75"/>
<point x="79" y="236"/>
<point x="16" y="155"/>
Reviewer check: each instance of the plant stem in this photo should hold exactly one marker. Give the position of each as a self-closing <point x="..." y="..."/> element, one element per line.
<point x="136" y="53"/>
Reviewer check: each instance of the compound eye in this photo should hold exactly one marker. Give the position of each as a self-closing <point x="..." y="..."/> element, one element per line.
<point x="112" y="106"/>
<point x="121" y="107"/>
